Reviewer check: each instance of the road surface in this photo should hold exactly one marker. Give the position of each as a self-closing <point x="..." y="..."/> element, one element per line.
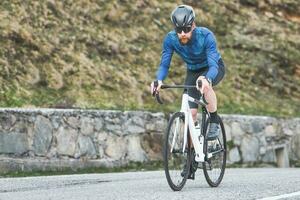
<point x="268" y="183"/>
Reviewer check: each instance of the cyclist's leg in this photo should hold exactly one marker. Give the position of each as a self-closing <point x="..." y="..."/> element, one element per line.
<point x="191" y="77"/>
<point x="211" y="98"/>
<point x="194" y="112"/>
<point x="210" y="94"/>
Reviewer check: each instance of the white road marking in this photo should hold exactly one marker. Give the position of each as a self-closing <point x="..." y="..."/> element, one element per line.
<point x="282" y="196"/>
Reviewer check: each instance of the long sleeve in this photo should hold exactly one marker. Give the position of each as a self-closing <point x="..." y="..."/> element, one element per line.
<point x="166" y="56"/>
<point x="212" y="56"/>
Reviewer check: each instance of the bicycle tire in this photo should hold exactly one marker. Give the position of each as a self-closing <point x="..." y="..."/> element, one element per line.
<point x="208" y="166"/>
<point x="172" y="167"/>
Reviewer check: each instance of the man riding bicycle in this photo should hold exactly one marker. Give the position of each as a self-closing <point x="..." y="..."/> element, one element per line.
<point x="198" y="49"/>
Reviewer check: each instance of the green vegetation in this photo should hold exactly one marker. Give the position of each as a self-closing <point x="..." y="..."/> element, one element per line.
<point x="252" y="165"/>
<point x="230" y="144"/>
<point x="104" y="54"/>
<point x="132" y="166"/>
<point x="295" y="163"/>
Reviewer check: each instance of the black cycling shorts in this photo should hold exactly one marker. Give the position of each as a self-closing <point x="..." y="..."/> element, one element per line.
<point x="192" y="76"/>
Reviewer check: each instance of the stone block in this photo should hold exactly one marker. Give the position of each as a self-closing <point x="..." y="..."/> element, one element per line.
<point x="86" y="146"/>
<point x="115" y="128"/>
<point x="250" y="149"/>
<point x="73" y="122"/>
<point x="134" y="125"/>
<point x="234" y="155"/>
<point x="152" y="145"/>
<point x="269" y="156"/>
<point x="135" y="151"/>
<point x="257" y="125"/>
<point x="66" y="141"/>
<point x="270" y="131"/>
<point x="42" y="135"/>
<point x="56" y="121"/>
<point x="116" y="147"/>
<point x="237" y="133"/>
<point x="13" y="142"/>
<point x="295" y="146"/>
<point x="98" y="124"/>
<point x="7" y="120"/>
<point x="87" y="126"/>
<point x="228" y="132"/>
<point x="20" y="126"/>
<point x="102" y="137"/>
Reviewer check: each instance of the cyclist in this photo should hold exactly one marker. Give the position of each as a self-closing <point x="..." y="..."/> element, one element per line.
<point x="198" y="49"/>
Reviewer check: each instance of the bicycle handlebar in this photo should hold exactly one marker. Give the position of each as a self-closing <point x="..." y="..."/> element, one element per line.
<point x="177" y="86"/>
<point x="182" y="86"/>
<point x="202" y="100"/>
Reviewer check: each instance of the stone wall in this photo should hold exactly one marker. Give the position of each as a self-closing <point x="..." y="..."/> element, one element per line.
<point x="255" y="139"/>
<point x="54" y="138"/>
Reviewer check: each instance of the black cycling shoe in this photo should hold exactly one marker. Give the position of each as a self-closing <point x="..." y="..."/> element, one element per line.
<point x="191" y="175"/>
<point x="194" y="163"/>
<point x="184" y="171"/>
<point x="213" y="131"/>
<point x="193" y="168"/>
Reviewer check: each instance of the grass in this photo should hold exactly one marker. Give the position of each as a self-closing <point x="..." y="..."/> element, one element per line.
<point x="230" y="144"/>
<point x="251" y="165"/>
<point x="131" y="167"/>
<point x="295" y="163"/>
<point x="112" y="67"/>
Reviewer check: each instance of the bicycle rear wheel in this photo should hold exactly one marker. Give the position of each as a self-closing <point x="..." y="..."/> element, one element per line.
<point x="176" y="160"/>
<point x="215" y="153"/>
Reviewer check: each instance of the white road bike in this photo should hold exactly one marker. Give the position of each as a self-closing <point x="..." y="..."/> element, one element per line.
<point x="186" y="148"/>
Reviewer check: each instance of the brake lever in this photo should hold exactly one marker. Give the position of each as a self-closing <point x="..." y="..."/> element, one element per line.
<point x="199" y="83"/>
<point x="202" y="98"/>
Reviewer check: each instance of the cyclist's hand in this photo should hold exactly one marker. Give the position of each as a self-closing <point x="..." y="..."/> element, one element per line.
<point x="155" y="87"/>
<point x="205" y="84"/>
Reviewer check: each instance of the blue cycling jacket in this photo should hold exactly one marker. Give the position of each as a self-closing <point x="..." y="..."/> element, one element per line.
<point x="201" y="51"/>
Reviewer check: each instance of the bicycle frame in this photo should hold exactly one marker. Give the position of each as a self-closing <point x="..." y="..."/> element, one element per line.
<point x="197" y="138"/>
<point x="186" y="134"/>
<point x="189" y="123"/>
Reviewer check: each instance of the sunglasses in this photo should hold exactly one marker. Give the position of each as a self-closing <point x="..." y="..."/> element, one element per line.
<point x="186" y="29"/>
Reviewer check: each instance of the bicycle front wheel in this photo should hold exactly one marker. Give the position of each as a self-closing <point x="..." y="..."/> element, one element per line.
<point x="176" y="157"/>
<point x="215" y="152"/>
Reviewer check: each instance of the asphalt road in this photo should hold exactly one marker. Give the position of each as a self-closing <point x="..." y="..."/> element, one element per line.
<point x="237" y="184"/>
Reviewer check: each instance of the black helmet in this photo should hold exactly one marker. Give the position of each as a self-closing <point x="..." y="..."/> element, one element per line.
<point x="183" y="16"/>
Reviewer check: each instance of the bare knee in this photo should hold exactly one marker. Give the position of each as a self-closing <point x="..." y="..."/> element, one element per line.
<point x="194" y="113"/>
